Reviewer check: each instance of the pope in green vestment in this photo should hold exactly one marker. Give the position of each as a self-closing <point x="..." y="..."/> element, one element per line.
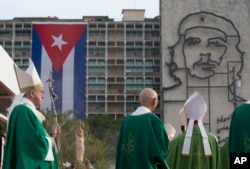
<point x="142" y="142"/>
<point x="26" y="143"/>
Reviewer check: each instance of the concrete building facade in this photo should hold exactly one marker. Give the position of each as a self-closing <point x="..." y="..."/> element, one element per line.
<point x="205" y="48"/>
<point x="122" y="57"/>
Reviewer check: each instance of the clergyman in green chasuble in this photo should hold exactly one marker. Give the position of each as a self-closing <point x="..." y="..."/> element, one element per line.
<point x="196" y="158"/>
<point x="143" y="140"/>
<point x="194" y="149"/>
<point x="239" y="133"/>
<point x="239" y="136"/>
<point x="26" y="144"/>
<point x="142" y="143"/>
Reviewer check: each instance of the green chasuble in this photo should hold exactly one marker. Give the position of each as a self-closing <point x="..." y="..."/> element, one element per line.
<point x="142" y="143"/>
<point x="26" y="144"/>
<point x="224" y="152"/>
<point x="196" y="158"/>
<point x="239" y="133"/>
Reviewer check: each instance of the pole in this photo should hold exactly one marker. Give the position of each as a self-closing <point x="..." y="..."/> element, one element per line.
<point x="234" y="89"/>
<point x="54" y="97"/>
<point x="2" y="150"/>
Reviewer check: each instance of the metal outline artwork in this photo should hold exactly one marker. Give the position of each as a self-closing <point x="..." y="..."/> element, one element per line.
<point x="230" y="62"/>
<point x="236" y="71"/>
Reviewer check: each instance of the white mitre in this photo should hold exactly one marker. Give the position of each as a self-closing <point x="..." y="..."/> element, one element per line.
<point x="195" y="108"/>
<point x="29" y="79"/>
<point x="170" y="130"/>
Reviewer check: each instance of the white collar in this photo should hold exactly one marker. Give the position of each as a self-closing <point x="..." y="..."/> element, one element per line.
<point x="29" y="104"/>
<point x="141" y="110"/>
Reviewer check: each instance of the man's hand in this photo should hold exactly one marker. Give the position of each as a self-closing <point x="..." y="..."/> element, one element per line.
<point x="56" y="130"/>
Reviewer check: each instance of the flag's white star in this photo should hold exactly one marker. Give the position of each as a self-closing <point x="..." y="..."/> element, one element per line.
<point x="58" y="41"/>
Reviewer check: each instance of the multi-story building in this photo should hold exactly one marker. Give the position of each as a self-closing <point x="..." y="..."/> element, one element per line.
<point x="122" y="57"/>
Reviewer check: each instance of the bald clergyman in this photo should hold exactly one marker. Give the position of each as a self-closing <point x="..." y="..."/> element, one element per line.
<point x="143" y="140"/>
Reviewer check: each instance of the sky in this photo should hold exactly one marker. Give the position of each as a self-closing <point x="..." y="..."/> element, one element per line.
<point x="74" y="9"/>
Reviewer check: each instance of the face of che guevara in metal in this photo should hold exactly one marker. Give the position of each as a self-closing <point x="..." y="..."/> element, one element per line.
<point x="203" y="50"/>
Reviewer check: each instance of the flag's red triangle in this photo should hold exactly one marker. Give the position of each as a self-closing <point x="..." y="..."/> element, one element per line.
<point x="69" y="34"/>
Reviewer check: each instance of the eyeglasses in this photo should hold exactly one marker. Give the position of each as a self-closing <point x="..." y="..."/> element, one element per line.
<point x="40" y="91"/>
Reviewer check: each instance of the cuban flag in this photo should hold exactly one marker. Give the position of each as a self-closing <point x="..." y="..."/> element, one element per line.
<point x="60" y="48"/>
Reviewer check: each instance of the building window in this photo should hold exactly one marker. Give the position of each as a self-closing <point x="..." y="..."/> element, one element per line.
<point x="27" y="43"/>
<point x="96" y="69"/>
<point x="134" y="87"/>
<point x="5" y="33"/>
<point x="18" y="26"/>
<point x="21" y="33"/>
<point x="96" y="87"/>
<point x="18" y="43"/>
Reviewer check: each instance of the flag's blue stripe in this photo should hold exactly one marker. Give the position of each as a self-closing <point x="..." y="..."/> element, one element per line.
<point x="57" y="85"/>
<point x="79" y="76"/>
<point x="36" y="51"/>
